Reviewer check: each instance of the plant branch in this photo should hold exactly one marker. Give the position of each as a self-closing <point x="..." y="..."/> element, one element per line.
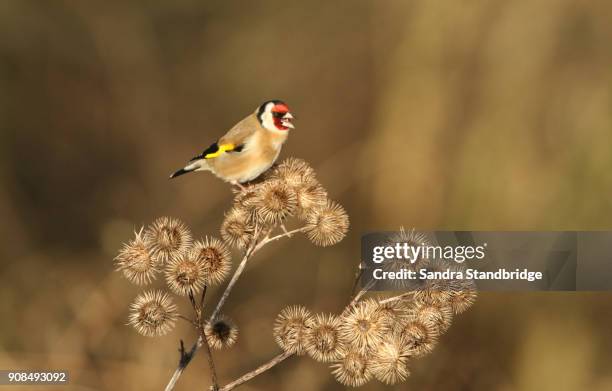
<point x="398" y="297"/>
<point x="360" y="294"/>
<point x="200" y="322"/>
<point x="191" y="321"/>
<point x="203" y="296"/>
<point x="211" y="362"/>
<point x="357" y="278"/>
<point x="280" y="236"/>
<point x="235" y="277"/>
<point x="184" y="360"/>
<point x="249" y="375"/>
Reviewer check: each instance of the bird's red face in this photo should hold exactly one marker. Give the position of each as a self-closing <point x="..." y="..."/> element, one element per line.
<point x="282" y="117"/>
<point x="275" y="115"/>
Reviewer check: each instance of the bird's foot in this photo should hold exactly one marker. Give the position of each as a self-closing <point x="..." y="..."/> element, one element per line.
<point x="240" y="187"/>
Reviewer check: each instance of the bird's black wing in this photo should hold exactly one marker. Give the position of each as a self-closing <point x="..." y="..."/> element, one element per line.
<point x="215" y="150"/>
<point x="214" y="147"/>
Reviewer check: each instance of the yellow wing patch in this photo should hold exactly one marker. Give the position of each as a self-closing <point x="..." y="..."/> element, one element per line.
<point x="222" y="149"/>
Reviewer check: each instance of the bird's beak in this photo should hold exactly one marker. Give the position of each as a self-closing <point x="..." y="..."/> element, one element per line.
<point x="286" y="121"/>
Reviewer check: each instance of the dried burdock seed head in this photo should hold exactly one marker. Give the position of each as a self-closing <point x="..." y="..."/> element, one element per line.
<point x="323" y="339"/>
<point x="327" y="225"/>
<point x="135" y="261"/>
<point x="185" y="274"/>
<point x="463" y="295"/>
<point x="437" y="315"/>
<point x="221" y="333"/>
<point x="362" y="325"/>
<point x="237" y="229"/>
<point x="291" y="329"/>
<point x="310" y="196"/>
<point x="420" y="337"/>
<point x="246" y="198"/>
<point x="294" y="172"/>
<point x="390" y="361"/>
<point x="215" y="257"/>
<point x="352" y="369"/>
<point x="167" y="238"/>
<point x="275" y="201"/>
<point x="434" y="291"/>
<point x="391" y="313"/>
<point x="152" y="314"/>
<point x="411" y="237"/>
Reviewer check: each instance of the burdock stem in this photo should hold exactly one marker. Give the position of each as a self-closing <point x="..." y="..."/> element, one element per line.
<point x="198" y="309"/>
<point x="247" y="255"/>
<point x="280" y="236"/>
<point x="259" y="370"/>
<point x="211" y="362"/>
<point x="398" y="297"/>
<point x="185" y="359"/>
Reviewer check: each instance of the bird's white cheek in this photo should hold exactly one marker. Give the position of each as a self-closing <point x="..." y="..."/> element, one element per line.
<point x="268" y="121"/>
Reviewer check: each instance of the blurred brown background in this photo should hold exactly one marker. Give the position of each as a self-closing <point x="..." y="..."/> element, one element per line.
<point x="435" y="115"/>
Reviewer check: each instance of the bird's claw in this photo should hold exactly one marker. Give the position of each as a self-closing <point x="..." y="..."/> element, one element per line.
<point x="240" y="187"/>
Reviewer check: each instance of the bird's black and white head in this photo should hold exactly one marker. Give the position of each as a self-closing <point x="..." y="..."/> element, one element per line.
<point x="275" y="116"/>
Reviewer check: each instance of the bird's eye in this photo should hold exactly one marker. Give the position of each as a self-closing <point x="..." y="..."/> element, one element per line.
<point x="278" y="114"/>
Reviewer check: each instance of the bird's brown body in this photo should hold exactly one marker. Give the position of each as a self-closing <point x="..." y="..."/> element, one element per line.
<point x="249" y="148"/>
<point x="260" y="151"/>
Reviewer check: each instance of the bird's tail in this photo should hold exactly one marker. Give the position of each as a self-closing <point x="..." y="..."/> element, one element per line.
<point x="196" y="165"/>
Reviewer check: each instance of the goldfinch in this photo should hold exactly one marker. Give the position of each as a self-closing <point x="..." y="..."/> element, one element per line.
<point x="249" y="148"/>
